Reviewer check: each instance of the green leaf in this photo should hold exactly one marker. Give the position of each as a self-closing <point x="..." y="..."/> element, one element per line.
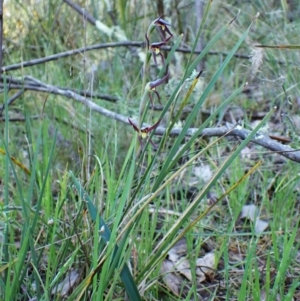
<point x="191" y="117"/>
<point x="105" y="233"/>
<point x="168" y="241"/>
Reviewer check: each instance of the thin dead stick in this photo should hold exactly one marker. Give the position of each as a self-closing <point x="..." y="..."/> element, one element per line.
<point x="128" y="44"/>
<point x="260" y="139"/>
<point x="11" y="100"/>
<point x="20" y="118"/>
<point x="46" y="90"/>
<point x="81" y="11"/>
<point x="96" y="47"/>
<point x="69" y="53"/>
<point x="36" y="117"/>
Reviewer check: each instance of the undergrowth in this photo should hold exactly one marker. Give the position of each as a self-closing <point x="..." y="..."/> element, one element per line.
<point x="93" y="210"/>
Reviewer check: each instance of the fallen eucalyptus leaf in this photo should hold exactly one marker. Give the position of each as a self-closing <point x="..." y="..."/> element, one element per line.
<point x="251" y="212"/>
<point x="64" y="287"/>
<point x="170" y="278"/>
<point x="205" y="266"/>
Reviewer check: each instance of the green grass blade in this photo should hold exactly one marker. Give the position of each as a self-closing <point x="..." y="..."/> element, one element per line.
<point x="27" y="234"/>
<point x="6" y="174"/>
<point x="248" y="269"/>
<point x="288" y="246"/>
<point x="219" y="109"/>
<point x="196" y="109"/>
<point x="165" y="244"/>
<point x="105" y="233"/>
<point x="210" y="44"/>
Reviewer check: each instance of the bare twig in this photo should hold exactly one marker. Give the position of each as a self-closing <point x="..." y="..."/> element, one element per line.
<point x="36" y="85"/>
<point x="69" y="53"/>
<point x="11" y="100"/>
<point x="260" y="139"/>
<point x="20" y="118"/>
<point x="81" y="11"/>
<point x="35" y="117"/>
<point x="128" y="44"/>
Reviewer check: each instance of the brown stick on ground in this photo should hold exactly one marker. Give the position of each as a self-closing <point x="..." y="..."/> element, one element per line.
<point x="263" y="140"/>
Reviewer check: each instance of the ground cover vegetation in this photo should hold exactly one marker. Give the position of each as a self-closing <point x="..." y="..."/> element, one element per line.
<point x="149" y="150"/>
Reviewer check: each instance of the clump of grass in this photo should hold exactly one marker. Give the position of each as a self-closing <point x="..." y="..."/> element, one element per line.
<point x="53" y="248"/>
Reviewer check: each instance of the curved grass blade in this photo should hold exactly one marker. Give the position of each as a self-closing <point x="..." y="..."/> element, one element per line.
<point x="209" y="46"/>
<point x="196" y="134"/>
<point x="195" y="221"/>
<point x="194" y="64"/>
<point x="197" y="107"/>
<point x="167" y="242"/>
<point x="145" y="178"/>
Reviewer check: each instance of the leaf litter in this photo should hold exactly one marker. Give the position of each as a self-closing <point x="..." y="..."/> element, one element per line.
<point x="176" y="269"/>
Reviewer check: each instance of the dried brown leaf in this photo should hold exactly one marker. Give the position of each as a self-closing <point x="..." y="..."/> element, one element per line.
<point x="170" y="278"/>
<point x="67" y="284"/>
<point x="205" y="267"/>
<point x="178" y="250"/>
<point x="251" y="212"/>
<point x="183" y="267"/>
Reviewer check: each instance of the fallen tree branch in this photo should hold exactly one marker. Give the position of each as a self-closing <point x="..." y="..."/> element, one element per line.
<point x="260" y="139"/>
<point x="101" y="46"/>
<point x="33" y="86"/>
<point x="57" y="56"/>
<point x="128" y="44"/>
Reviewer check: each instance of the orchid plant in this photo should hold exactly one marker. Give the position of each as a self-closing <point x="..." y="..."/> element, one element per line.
<point x="149" y="88"/>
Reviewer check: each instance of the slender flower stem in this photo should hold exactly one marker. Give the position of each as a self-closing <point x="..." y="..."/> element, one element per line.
<point x="152" y="49"/>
